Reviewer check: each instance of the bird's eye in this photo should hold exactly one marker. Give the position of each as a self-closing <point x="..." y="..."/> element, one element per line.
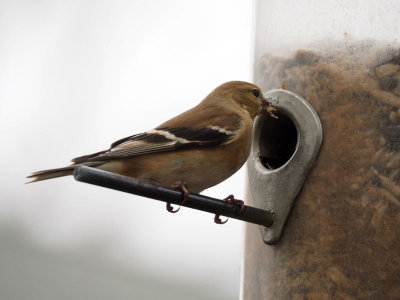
<point x="256" y="93"/>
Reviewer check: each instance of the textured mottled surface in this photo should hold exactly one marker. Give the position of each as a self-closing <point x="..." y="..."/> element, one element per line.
<point x="342" y="239"/>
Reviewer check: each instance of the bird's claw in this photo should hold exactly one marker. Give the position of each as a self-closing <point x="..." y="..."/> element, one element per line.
<point x="230" y="199"/>
<point x="179" y="185"/>
<point x="218" y="220"/>
<point x="171" y="209"/>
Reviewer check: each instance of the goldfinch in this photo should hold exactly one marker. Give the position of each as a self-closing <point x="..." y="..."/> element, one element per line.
<point x="200" y="147"/>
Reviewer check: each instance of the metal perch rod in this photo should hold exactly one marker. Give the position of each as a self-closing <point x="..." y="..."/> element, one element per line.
<point x="195" y="201"/>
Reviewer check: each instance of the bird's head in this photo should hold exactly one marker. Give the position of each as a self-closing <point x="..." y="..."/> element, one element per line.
<point x="247" y="96"/>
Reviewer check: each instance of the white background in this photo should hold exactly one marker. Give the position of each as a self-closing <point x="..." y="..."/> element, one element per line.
<point x="76" y="76"/>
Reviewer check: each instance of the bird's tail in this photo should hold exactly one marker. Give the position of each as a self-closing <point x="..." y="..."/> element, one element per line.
<point x="54" y="173"/>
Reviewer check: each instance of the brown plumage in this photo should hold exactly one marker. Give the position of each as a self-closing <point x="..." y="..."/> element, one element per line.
<point x="201" y="147"/>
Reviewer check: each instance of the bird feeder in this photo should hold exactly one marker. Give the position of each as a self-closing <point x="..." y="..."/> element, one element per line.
<point x="341" y="238"/>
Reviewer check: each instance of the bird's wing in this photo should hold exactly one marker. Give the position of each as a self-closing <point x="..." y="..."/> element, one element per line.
<point x="184" y="134"/>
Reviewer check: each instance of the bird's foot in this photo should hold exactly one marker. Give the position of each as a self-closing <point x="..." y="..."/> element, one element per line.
<point x="230" y="199"/>
<point x="218" y="220"/>
<point x="179" y="185"/>
<point x="171" y="209"/>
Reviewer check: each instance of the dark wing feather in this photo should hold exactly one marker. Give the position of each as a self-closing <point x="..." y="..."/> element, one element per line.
<point x="201" y="136"/>
<point x="159" y="140"/>
<point x="145" y="136"/>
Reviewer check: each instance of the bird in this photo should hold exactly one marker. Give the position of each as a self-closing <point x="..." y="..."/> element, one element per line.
<point x="193" y="151"/>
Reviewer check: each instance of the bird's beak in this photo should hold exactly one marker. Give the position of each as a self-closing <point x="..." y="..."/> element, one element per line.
<point x="267" y="109"/>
